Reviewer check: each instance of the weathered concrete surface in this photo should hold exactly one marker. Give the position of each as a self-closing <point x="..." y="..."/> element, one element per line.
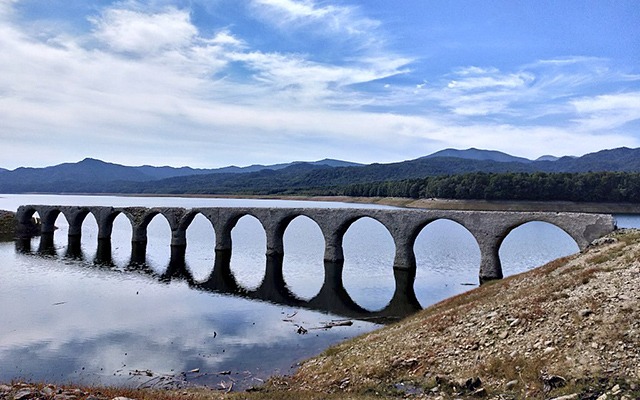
<point x="489" y="228"/>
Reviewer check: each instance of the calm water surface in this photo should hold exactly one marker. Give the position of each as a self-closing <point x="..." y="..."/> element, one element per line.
<point x="69" y="320"/>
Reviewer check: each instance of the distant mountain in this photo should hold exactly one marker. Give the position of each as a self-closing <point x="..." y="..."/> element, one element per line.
<point x="622" y="159"/>
<point x="547" y="158"/>
<point x="258" y="167"/>
<point x="321" y="178"/>
<point x="90" y="174"/>
<point x="478" y="154"/>
<point x="95" y="176"/>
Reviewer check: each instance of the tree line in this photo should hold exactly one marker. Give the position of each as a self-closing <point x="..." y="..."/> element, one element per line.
<point x="537" y="186"/>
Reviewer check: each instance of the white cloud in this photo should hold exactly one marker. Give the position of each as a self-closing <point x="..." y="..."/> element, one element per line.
<point x="608" y="111"/>
<point x="338" y="23"/>
<point x="306" y="81"/>
<point x="132" y="31"/>
<point x="341" y="19"/>
<point x="150" y="80"/>
<point x="510" y="81"/>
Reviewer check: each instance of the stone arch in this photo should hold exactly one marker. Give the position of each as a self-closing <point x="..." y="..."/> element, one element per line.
<point x="49" y="216"/>
<point x="577" y="238"/>
<point x="190" y="215"/>
<point x="105" y="221"/>
<point x="25" y="213"/>
<point x="308" y="283"/>
<point x="76" y="219"/>
<point x="199" y="251"/>
<point x="157" y="240"/>
<point x="546" y="241"/>
<point x="248" y="254"/>
<point x="369" y="254"/>
<point x="120" y="254"/>
<point x="27" y="226"/>
<point x="447" y="260"/>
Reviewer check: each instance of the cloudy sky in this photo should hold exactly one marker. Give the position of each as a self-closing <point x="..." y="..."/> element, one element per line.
<point x="210" y="83"/>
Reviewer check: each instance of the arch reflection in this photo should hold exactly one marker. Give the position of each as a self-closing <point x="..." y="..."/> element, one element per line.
<point x="332" y="297"/>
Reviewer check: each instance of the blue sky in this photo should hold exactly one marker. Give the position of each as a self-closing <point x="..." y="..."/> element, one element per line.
<point x="210" y="83"/>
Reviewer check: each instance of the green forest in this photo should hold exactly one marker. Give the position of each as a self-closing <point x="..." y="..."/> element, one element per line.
<point x="538" y="186"/>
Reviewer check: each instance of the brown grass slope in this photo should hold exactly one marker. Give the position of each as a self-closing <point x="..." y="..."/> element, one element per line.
<point x="570" y="327"/>
<point x="567" y="330"/>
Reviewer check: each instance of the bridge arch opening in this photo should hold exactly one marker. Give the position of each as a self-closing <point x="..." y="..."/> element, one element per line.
<point x="447" y="260"/>
<point x="303" y="266"/>
<point x="158" y="252"/>
<point x="121" y="234"/>
<point x="248" y="252"/>
<point x="369" y="252"/>
<point x="61" y="231"/>
<point x="534" y="244"/>
<point x="200" y="253"/>
<point x="89" y="236"/>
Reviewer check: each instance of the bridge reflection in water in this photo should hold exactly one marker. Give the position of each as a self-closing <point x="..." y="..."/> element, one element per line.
<point x="489" y="228"/>
<point x="332" y="297"/>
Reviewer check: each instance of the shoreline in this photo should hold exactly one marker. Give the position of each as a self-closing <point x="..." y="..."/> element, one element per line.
<point x="403" y="202"/>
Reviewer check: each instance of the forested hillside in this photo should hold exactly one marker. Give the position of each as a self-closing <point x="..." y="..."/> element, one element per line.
<point x="609" y="175"/>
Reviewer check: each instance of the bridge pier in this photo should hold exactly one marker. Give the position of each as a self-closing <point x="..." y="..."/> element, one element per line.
<point x="46" y="245"/>
<point x="490" y="265"/>
<point x="74" y="246"/>
<point x="103" y="252"/>
<point x="333" y="252"/>
<point x="404" y="300"/>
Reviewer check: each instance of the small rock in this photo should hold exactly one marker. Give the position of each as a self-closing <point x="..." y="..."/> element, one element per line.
<point x="472" y="383"/>
<point x="504" y="335"/>
<point x="549" y="350"/>
<point x="511" y="384"/>
<point x="603" y="396"/>
<point x="515" y="323"/>
<point x="64" y="396"/>
<point x="48" y="391"/>
<point x="616" y="390"/>
<point x="482" y="392"/>
<point x="553" y="381"/>
<point x="23" y="394"/>
<point x="585" y="312"/>
<point x="492" y="314"/>
<point x="5" y="388"/>
<point x="604" y="240"/>
<point x="567" y="397"/>
<point x="344" y="383"/>
<point x="121" y="398"/>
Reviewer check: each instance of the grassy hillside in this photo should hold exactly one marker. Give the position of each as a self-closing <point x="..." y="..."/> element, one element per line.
<point x="567" y="330"/>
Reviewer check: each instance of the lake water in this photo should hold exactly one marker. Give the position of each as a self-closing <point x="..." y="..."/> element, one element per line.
<point x="69" y="319"/>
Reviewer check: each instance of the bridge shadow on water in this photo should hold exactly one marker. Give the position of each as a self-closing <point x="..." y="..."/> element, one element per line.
<point x="332" y="298"/>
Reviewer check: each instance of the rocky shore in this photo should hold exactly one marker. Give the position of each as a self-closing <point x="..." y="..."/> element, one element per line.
<point x="567" y="330"/>
<point x="7" y="225"/>
<point x="570" y="328"/>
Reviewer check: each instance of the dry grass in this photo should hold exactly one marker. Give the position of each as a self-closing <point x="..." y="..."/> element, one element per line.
<point x="525" y="328"/>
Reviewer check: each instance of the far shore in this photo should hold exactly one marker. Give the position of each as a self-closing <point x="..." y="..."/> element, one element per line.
<point x="432" y="203"/>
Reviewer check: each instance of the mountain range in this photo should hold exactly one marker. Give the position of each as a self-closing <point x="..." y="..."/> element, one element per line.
<point x="96" y="176"/>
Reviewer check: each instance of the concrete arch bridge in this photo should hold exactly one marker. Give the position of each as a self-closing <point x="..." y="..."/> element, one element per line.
<point x="489" y="228"/>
